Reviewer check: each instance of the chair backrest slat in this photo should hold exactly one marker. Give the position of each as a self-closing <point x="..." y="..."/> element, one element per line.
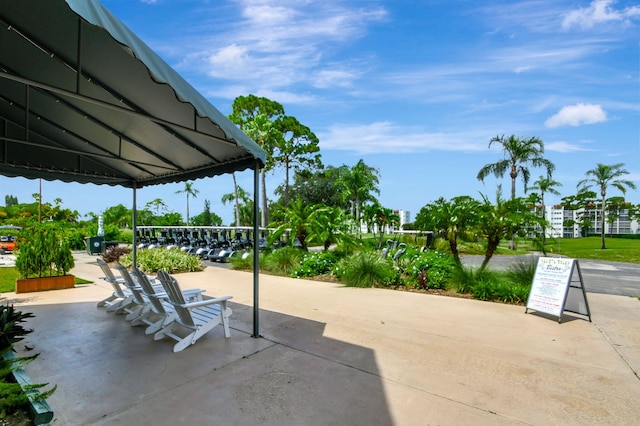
<point x="172" y="288"/>
<point x="109" y="277"/>
<point x="147" y="288"/>
<point x="131" y="285"/>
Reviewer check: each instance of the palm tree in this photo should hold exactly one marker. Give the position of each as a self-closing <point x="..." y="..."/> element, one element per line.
<point x="385" y="217"/>
<point x="238" y="194"/>
<point x="450" y="219"/>
<point x="545" y="185"/>
<point x="518" y="152"/>
<point x="298" y="217"/>
<point x="190" y="191"/>
<point x="604" y="176"/>
<point x="357" y="184"/>
<point x="502" y="219"/>
<point x="329" y="225"/>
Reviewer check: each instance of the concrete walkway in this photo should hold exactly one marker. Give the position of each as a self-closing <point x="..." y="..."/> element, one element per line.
<point x="331" y="355"/>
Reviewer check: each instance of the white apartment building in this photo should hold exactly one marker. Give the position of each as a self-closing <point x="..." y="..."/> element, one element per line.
<point x="405" y="217"/>
<point x="557" y="216"/>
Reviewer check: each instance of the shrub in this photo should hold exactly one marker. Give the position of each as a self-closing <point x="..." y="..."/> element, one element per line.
<point x="75" y="238"/>
<point x="243" y="263"/>
<point x="366" y="269"/>
<point x="488" y="285"/>
<point x="282" y="261"/>
<point x="464" y="278"/>
<point x="522" y="272"/>
<point x="42" y="252"/>
<point x="125" y="236"/>
<point x="171" y="260"/>
<point x="430" y="269"/>
<point x="114" y="253"/>
<point x="500" y="291"/>
<point x="314" y="264"/>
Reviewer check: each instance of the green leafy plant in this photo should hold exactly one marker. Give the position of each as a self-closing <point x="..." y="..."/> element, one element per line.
<point x="523" y="271"/>
<point x="511" y="286"/>
<point x="172" y="260"/>
<point x="13" y="394"/>
<point x="43" y="252"/>
<point x="430" y="269"/>
<point x="366" y="269"/>
<point x="11" y="329"/>
<point x="114" y="253"/>
<point x="314" y="264"/>
<point x="464" y="278"/>
<point x="243" y="263"/>
<point x="283" y="261"/>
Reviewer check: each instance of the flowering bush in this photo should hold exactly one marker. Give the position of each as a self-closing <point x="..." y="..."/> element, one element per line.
<point x="172" y="260"/>
<point x="314" y="264"/>
<point x="430" y="269"/>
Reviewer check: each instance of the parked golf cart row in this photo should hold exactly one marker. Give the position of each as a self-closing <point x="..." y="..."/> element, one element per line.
<point x="8" y="242"/>
<point x="213" y="244"/>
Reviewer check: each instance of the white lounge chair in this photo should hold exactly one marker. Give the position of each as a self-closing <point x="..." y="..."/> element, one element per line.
<point x="138" y="303"/>
<point x="197" y="318"/>
<point x="119" y="296"/>
<point x="161" y="313"/>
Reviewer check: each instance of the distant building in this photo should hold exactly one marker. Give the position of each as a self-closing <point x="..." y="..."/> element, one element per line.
<point x="405" y="217"/>
<point x="557" y="216"/>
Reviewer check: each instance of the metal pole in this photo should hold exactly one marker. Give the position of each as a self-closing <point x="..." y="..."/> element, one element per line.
<point x="134" y="215"/>
<point x="256" y="249"/>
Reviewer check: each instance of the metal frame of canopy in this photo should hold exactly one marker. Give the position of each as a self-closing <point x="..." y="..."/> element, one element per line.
<point x="83" y="99"/>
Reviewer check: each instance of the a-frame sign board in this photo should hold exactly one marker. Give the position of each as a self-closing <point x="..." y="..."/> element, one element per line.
<point x="556" y="289"/>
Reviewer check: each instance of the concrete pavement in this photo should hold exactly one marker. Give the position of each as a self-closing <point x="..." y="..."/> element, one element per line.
<point x="331" y="355"/>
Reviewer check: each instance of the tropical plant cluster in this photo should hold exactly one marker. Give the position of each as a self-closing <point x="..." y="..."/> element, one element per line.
<point x="315" y="264"/>
<point x="418" y="270"/>
<point x="13" y="395"/>
<point x="42" y="251"/>
<point x="170" y="260"/>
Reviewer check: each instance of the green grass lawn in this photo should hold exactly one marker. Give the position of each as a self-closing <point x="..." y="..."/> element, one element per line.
<point x="618" y="249"/>
<point x="8" y="277"/>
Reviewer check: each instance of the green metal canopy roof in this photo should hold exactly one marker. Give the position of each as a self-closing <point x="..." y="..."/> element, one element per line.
<point x="83" y="99"/>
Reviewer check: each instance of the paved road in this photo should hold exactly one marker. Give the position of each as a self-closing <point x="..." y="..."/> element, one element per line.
<point x="599" y="276"/>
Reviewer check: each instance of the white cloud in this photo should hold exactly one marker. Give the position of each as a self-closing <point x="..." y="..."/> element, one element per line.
<point x="564" y="147"/>
<point x="334" y="78"/>
<point x="598" y="12"/>
<point x="576" y="115"/>
<point x="277" y="46"/>
<point x="387" y="137"/>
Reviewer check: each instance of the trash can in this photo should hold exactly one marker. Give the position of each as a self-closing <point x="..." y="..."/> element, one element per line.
<point x="95" y="245"/>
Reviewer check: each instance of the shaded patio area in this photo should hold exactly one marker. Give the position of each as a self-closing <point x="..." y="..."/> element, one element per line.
<point x="334" y="355"/>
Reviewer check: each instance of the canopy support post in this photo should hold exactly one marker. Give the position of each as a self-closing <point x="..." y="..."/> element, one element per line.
<point x="134" y="224"/>
<point x="256" y="249"/>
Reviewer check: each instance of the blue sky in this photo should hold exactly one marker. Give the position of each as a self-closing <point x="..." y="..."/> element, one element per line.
<point x="415" y="88"/>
